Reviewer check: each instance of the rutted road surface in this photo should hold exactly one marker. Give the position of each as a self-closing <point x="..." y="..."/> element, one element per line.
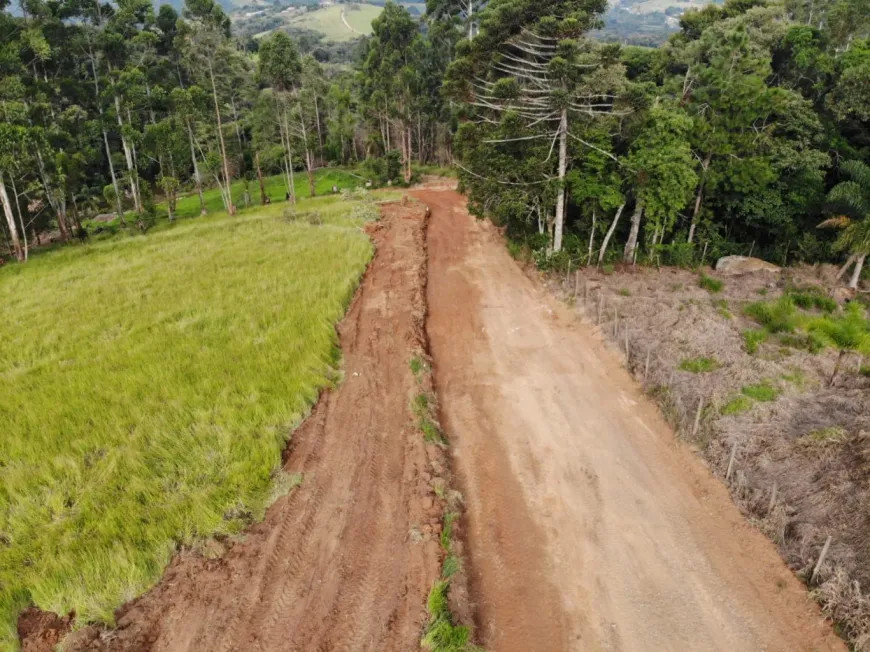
<point x="588" y="527"/>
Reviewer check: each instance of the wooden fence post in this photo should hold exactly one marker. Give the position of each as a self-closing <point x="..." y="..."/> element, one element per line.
<point x="698" y="418"/>
<point x="646" y="366"/>
<point x="627" y="354"/>
<point x="731" y="461"/>
<point x="772" y="498"/>
<point x="821" y="559"/>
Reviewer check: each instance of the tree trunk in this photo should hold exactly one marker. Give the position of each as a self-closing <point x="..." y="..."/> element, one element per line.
<point x="309" y="163"/>
<point x="231" y="209"/>
<point x="563" y="167"/>
<point x="197" y="178"/>
<point x="128" y="157"/>
<point x="591" y="237"/>
<point x="408" y="164"/>
<point x="699" y="196"/>
<point x="609" y="234"/>
<point x="631" y="244"/>
<point x="20" y="218"/>
<point x="319" y="131"/>
<point x="837" y="367"/>
<point x="845" y="267"/>
<point x="10" y="221"/>
<point x="856" y="273"/>
<point x="470" y="20"/>
<point x="260" y="178"/>
<point x="57" y="204"/>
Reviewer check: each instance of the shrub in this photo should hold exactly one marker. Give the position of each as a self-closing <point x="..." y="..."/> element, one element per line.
<point x="680" y="254"/>
<point x="762" y="391"/>
<point x="776" y="316"/>
<point x="699" y="365"/>
<point x="710" y="284"/>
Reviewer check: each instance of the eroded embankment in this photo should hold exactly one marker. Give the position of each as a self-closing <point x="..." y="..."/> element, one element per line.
<point x="347" y="559"/>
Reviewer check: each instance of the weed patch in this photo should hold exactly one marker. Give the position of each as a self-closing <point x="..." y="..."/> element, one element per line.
<point x="777" y="317"/>
<point x="763" y="391"/>
<point x="736" y="405"/>
<point x="699" y="365"/>
<point x="441" y="634"/>
<point x="752" y="338"/>
<point x="712" y="285"/>
<point x="824" y="437"/>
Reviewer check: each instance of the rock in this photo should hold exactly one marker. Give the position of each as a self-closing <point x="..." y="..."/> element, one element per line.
<point x="105" y="217"/>
<point x="736" y="265"/>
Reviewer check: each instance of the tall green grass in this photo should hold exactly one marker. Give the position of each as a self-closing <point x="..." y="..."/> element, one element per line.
<point x="148" y="385"/>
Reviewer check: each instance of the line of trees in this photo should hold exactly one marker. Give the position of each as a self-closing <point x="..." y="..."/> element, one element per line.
<point x="105" y="105"/>
<point x="733" y="136"/>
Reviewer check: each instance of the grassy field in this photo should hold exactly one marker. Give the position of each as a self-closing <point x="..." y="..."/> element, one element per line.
<point x="148" y="385"/>
<point x="276" y="189"/>
<point x="328" y="22"/>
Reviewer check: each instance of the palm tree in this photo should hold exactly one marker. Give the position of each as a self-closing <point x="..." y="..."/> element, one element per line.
<point x="849" y="333"/>
<point x="853" y="198"/>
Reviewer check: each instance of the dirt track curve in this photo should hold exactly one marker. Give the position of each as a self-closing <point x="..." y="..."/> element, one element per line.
<point x="588" y="527"/>
<point x="334" y="565"/>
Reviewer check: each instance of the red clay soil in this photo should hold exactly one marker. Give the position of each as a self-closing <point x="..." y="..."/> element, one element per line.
<point x="589" y="527"/>
<point x="345" y="562"/>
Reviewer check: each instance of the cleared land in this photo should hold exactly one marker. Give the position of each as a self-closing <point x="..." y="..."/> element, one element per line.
<point x="149" y="386"/>
<point x="578" y="499"/>
<point x="328" y="21"/>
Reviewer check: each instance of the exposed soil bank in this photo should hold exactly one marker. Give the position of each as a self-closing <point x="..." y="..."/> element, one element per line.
<point x="589" y="527"/>
<point x="345" y="562"/>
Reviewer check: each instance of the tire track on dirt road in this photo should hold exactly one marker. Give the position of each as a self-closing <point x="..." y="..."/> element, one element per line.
<point x="333" y="566"/>
<point x="589" y="527"/>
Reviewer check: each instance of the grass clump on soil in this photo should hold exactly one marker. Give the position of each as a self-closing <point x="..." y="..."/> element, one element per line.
<point x="722" y="309"/>
<point x="812" y="298"/>
<point x="824" y="437"/>
<point x="699" y="365"/>
<point x="736" y="405"/>
<point x="624" y="292"/>
<point x="752" y="338"/>
<point x="441" y="634"/>
<point x="762" y="391"/>
<point x="149" y="385"/>
<point x="776" y="316"/>
<point x="712" y="285"/>
<point x="422" y="408"/>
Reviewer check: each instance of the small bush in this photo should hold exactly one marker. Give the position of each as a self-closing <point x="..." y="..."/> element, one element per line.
<point x="699" y="365"/>
<point x="515" y="249"/>
<point x="710" y="284"/>
<point x="762" y="391"/>
<point x="777" y="316"/>
<point x="736" y="405"/>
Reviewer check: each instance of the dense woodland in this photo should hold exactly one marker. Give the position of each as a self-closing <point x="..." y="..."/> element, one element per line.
<point x="747" y="132"/>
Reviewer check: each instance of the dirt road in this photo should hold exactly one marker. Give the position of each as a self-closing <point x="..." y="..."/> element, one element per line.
<point x="347" y="560"/>
<point x="588" y="527"/>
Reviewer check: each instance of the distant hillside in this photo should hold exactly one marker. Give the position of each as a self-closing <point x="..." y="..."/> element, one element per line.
<point x="646" y="22"/>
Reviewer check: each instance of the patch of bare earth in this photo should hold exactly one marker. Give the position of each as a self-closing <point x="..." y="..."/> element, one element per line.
<point x="812" y="442"/>
<point x="589" y="527"/>
<point x="345" y="562"/>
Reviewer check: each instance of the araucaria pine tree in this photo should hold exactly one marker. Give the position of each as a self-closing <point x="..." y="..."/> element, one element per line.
<point x="532" y="78"/>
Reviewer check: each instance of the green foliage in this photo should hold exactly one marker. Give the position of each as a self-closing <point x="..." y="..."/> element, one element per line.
<point x="722" y="309"/>
<point x="710" y="284"/>
<point x="824" y="438"/>
<point x="752" y="338"/>
<point x="699" y="365"/>
<point x="441" y="634"/>
<point x="156" y="416"/>
<point x="849" y="332"/>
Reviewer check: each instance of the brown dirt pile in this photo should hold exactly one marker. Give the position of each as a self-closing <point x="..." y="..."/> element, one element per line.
<point x="345" y="562"/>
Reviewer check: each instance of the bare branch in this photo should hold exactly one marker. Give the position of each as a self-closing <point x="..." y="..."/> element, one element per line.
<point x="504" y="183"/>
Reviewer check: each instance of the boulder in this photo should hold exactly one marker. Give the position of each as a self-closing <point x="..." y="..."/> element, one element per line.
<point x="736" y="265"/>
<point x="105" y="217"/>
